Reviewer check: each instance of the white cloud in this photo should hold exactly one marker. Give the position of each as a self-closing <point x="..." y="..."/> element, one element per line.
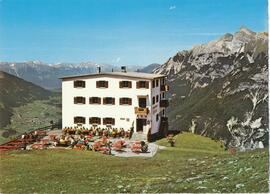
<point x="172" y="7"/>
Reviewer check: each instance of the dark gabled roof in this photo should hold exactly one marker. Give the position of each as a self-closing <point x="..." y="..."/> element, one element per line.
<point x="118" y="74"/>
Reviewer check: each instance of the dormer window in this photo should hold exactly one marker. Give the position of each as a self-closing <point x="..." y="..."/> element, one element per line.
<point x="102" y="84"/>
<point x="142" y="84"/>
<point x="79" y="100"/>
<point x="79" y="84"/>
<point x="125" y="84"/>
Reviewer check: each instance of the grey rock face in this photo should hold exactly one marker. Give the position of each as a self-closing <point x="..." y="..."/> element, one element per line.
<point x="217" y="80"/>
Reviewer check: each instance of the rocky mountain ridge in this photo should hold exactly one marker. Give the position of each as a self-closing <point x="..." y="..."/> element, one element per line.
<point x="221" y="82"/>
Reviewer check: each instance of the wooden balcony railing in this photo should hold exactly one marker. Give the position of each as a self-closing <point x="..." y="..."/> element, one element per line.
<point x="164" y="103"/>
<point x="141" y="111"/>
<point x="164" y="88"/>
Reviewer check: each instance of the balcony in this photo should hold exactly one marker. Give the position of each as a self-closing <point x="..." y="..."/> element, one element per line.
<point x="141" y="111"/>
<point x="164" y="103"/>
<point x="164" y="88"/>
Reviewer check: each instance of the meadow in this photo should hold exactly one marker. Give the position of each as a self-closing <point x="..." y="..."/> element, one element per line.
<point x="196" y="164"/>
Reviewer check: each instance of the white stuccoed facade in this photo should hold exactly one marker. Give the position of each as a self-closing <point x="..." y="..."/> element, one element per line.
<point x="124" y="115"/>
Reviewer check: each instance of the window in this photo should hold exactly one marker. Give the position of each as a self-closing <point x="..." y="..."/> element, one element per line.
<point x="153" y="83"/>
<point x="163" y="112"/>
<point x="125" y="84"/>
<point x="127" y="101"/>
<point x="79" y="100"/>
<point x="94" y="100"/>
<point x="157" y="99"/>
<point x="102" y="84"/>
<point x="108" y="121"/>
<point x="95" y="120"/>
<point x="79" y="120"/>
<point x="157" y="82"/>
<point x="142" y="84"/>
<point x="163" y="81"/>
<point x="157" y="117"/>
<point x="108" y="100"/>
<point x="153" y="100"/>
<point x="163" y="95"/>
<point x="79" y="84"/>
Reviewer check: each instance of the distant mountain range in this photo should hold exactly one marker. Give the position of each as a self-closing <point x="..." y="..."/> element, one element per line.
<point x="220" y="89"/>
<point x="149" y="68"/>
<point x="46" y="75"/>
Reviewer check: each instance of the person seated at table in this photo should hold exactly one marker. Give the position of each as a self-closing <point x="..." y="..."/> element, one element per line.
<point x="114" y="133"/>
<point x="34" y="135"/>
<point x="62" y="140"/>
<point x="24" y="136"/>
<point x="73" y="142"/>
<point x="122" y="132"/>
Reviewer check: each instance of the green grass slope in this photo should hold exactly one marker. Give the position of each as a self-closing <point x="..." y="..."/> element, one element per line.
<point x="196" y="164"/>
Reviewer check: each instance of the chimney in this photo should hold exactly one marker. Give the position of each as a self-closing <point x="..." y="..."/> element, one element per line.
<point x="98" y="69"/>
<point x="123" y="69"/>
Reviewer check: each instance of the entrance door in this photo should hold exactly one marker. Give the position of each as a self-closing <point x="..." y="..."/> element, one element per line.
<point x="142" y="102"/>
<point x="140" y="124"/>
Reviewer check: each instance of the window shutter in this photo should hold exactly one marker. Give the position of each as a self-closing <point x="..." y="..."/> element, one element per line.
<point x="106" y="84"/>
<point x="121" y="101"/>
<point x="84" y="100"/>
<point x="99" y="100"/>
<point x="129" y="84"/>
<point x="113" y="100"/>
<point x="147" y="84"/>
<point x="137" y="85"/>
<point x="97" y="84"/>
<point x="104" y="101"/>
<point x="74" y="100"/>
<point x="91" y="100"/>
<point x="130" y="101"/>
<point x="120" y="84"/>
<point x="113" y="121"/>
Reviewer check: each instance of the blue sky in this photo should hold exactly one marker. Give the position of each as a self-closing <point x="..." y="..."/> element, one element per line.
<point x="130" y="32"/>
